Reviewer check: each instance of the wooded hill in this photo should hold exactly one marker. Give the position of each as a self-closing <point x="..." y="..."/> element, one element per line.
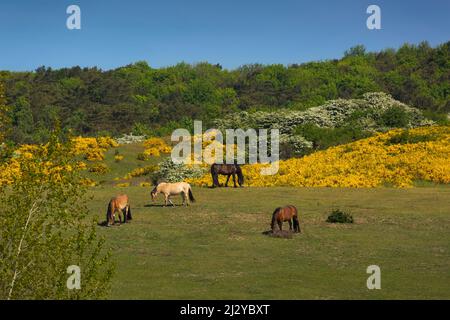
<point x="147" y="100"/>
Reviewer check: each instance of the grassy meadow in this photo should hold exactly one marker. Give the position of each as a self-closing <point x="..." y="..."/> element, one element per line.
<point x="215" y="248"/>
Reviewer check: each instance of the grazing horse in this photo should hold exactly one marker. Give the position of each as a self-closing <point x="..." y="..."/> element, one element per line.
<point x="227" y="170"/>
<point x="119" y="203"/>
<point x="169" y="189"/>
<point x="283" y="214"/>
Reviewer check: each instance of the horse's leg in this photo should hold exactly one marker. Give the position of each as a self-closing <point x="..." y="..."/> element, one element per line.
<point x="234" y="180"/>
<point x="213" y="175"/>
<point x="166" y="197"/>
<point x="280" y="225"/>
<point x="125" y="215"/>
<point x="296" y="224"/>
<point x="184" y="198"/>
<point x="226" y="183"/>
<point x="120" y="215"/>
<point x="170" y="201"/>
<point x="290" y="224"/>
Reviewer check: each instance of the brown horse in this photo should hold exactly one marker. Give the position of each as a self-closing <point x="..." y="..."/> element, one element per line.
<point x="283" y="214"/>
<point x="121" y="204"/>
<point x="227" y="170"/>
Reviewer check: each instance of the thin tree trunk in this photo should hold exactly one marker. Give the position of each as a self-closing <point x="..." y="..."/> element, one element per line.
<point x="19" y="249"/>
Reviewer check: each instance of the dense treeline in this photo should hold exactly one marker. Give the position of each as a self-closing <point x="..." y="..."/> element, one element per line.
<point x="137" y="97"/>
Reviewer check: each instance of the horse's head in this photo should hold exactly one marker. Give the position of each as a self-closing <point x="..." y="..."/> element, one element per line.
<point x="154" y="193"/>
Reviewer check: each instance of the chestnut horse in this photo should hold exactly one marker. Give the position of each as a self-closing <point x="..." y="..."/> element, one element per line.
<point x="227" y="170"/>
<point x="283" y="214"/>
<point x="121" y="204"/>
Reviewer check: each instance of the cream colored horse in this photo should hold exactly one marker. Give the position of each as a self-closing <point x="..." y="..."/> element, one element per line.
<point x="170" y="189"/>
<point x="121" y="204"/>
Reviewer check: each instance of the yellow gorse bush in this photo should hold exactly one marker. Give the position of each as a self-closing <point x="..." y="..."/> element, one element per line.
<point x="156" y="145"/>
<point x="209" y="144"/>
<point x="23" y="161"/>
<point x="91" y="149"/>
<point x="138" y="172"/>
<point x="370" y="162"/>
<point x="118" y="158"/>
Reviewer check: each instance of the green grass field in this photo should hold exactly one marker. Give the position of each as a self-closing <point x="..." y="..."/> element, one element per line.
<point x="215" y="249"/>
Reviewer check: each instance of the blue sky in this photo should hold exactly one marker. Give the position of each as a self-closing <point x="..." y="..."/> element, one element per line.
<point x="230" y="32"/>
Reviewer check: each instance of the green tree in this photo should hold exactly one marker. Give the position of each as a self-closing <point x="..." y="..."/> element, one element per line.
<point x="5" y="120"/>
<point x="44" y="229"/>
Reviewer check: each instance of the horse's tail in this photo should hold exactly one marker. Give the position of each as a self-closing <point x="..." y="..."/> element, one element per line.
<point x="129" y="217"/>
<point x="191" y="196"/>
<point x="109" y="212"/>
<point x="295" y="220"/>
<point x="274" y="218"/>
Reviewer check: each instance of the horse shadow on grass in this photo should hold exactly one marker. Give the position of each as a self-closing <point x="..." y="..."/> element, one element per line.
<point x="283" y="234"/>
<point x="105" y="224"/>
<point x="162" y="206"/>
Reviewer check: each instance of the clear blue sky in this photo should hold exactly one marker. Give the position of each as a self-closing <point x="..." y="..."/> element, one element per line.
<point x="229" y="32"/>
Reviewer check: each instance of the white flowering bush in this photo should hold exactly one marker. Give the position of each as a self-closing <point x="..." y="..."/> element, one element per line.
<point x="296" y="144"/>
<point x="130" y="138"/>
<point x="172" y="172"/>
<point x="366" y="112"/>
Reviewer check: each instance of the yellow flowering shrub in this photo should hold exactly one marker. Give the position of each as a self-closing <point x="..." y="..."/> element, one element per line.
<point x="118" y="157"/>
<point x="371" y="162"/>
<point x="122" y="185"/>
<point x="151" y="152"/>
<point x="89" y="182"/>
<point x="145" y="184"/>
<point x="156" y="144"/>
<point x="25" y="159"/>
<point x="210" y="144"/>
<point x="138" y="172"/>
<point x="99" y="168"/>
<point x="92" y="149"/>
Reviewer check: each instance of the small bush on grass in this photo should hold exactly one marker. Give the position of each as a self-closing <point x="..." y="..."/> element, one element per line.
<point x="339" y="216"/>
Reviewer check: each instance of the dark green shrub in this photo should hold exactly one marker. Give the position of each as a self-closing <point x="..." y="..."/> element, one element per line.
<point x="323" y="138"/>
<point x="406" y="137"/>
<point x="395" y="117"/>
<point x="440" y="118"/>
<point x="339" y="216"/>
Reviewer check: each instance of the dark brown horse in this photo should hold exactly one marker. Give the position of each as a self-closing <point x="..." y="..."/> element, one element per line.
<point x="227" y="170"/>
<point x="283" y="214"/>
